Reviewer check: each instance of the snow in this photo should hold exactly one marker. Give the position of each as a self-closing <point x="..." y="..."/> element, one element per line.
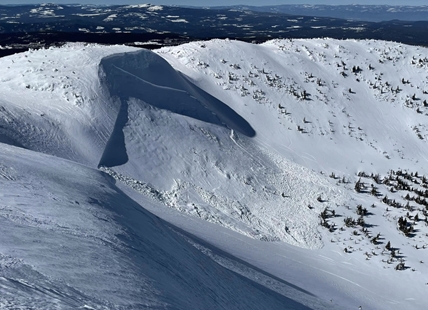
<point x="370" y="126"/>
<point x="47" y="10"/>
<point x="110" y="18"/>
<point x="88" y="14"/>
<point x="139" y="15"/>
<point x="71" y="239"/>
<point x="154" y="8"/>
<point x="297" y="66"/>
<point x="180" y="20"/>
<point x="147" y="43"/>
<point x="133" y="178"/>
<point x="49" y="106"/>
<point x="137" y="6"/>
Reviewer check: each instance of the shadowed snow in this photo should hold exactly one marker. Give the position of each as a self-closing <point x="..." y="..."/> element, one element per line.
<point x="71" y="238"/>
<point x="146" y="76"/>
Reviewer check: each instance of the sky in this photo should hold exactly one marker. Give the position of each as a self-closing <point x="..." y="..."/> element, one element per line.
<point x="224" y="2"/>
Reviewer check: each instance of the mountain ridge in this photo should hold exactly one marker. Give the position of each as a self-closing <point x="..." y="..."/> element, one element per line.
<point x="152" y="26"/>
<point x="361" y="12"/>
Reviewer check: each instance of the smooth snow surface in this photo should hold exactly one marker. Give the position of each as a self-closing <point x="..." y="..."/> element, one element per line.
<point x="242" y="148"/>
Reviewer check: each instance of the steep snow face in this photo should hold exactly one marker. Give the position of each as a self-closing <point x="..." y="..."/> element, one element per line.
<point x="330" y="106"/>
<point x="187" y="149"/>
<point x="143" y="75"/>
<point x="72" y="240"/>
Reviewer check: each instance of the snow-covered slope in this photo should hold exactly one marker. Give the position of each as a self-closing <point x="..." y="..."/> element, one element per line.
<point x="345" y="112"/>
<point x="71" y="239"/>
<point x="236" y="144"/>
<point x="229" y="179"/>
<point x="52" y="102"/>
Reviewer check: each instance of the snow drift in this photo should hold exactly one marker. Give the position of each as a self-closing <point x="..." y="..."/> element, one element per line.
<point x="146" y="76"/>
<point x="215" y="161"/>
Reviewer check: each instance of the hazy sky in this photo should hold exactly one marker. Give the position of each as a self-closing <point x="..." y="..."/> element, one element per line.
<point x="224" y="2"/>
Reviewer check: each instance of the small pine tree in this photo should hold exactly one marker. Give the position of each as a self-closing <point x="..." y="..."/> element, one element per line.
<point x="400" y="266"/>
<point x="358" y="186"/>
<point x="388" y="246"/>
<point x="361" y="221"/>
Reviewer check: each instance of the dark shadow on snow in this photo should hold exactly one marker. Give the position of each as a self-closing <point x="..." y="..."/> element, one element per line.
<point x="10" y="136"/>
<point x="146" y="76"/>
<point x="227" y="255"/>
<point x="9" y="140"/>
<point x="115" y="151"/>
<point x="140" y="241"/>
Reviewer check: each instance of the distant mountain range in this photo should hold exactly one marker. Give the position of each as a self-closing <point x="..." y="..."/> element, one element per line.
<point x="373" y="13"/>
<point x="32" y="26"/>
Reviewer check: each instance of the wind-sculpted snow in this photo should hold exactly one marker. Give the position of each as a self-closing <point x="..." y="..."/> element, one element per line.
<point x="115" y="151"/>
<point x="51" y="101"/>
<point x="222" y="177"/>
<point x="146" y="76"/>
<point x="231" y="181"/>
